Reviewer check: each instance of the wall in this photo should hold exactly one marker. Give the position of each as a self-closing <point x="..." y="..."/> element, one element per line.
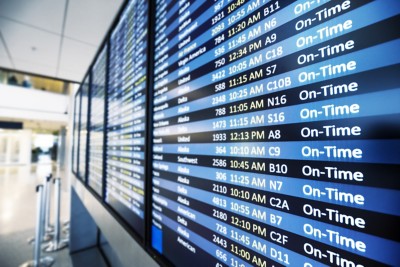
<point x="126" y="250"/>
<point x="31" y="104"/>
<point x="15" y="147"/>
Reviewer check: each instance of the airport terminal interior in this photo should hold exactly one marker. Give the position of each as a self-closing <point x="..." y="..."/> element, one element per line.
<point x="224" y="133"/>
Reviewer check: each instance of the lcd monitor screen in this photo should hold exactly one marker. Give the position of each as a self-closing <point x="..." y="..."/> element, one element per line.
<point x="276" y="133"/>
<point x="84" y="92"/>
<point x="126" y="119"/>
<point x="96" y="128"/>
<point x="75" y="133"/>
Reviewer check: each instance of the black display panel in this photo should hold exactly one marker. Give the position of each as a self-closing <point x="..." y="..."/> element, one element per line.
<point x="75" y="133"/>
<point x="96" y="123"/>
<point x="276" y="133"/>
<point x="126" y="115"/>
<point x="83" y="125"/>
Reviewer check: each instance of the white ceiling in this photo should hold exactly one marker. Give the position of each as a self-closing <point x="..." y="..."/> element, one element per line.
<point x="55" y="38"/>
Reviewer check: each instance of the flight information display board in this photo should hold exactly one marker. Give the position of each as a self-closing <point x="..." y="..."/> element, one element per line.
<point x="75" y="140"/>
<point x="276" y="133"/>
<point x="83" y="122"/>
<point x="126" y="127"/>
<point x="96" y="128"/>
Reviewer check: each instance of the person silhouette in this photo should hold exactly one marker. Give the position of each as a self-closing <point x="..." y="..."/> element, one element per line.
<point x="26" y="83"/>
<point x="12" y="80"/>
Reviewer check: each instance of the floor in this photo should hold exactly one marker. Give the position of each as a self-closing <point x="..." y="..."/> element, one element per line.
<point x="18" y="212"/>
